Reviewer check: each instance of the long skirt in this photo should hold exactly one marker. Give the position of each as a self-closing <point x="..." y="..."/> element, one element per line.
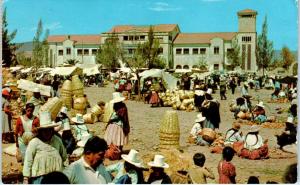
<point x="114" y="135"/>
<point x="154" y="98"/>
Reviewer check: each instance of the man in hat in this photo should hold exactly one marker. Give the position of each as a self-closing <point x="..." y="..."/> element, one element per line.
<point x="37" y="101"/>
<point x="89" y="169"/>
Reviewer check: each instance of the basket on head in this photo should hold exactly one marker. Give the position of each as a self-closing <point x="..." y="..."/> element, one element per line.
<point x="169" y="131"/>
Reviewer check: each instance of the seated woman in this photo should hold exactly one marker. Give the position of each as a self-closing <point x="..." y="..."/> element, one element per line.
<point x="253" y="145"/>
<point x="195" y="133"/>
<point x="259" y="113"/>
<point x="233" y="135"/>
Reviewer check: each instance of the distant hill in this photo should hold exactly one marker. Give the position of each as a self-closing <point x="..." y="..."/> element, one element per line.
<point x="25" y="47"/>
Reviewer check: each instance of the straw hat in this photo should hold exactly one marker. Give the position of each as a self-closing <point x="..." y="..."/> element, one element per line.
<point x="84" y="139"/>
<point x="36" y="90"/>
<point x="199" y="118"/>
<point x="159" y="162"/>
<point x="45" y="120"/>
<point x="236" y="125"/>
<point x="78" y="119"/>
<point x="132" y="158"/>
<point x="117" y="97"/>
<point x="254" y="128"/>
<point x="209" y="91"/>
<point x="260" y="104"/>
<point x="199" y="92"/>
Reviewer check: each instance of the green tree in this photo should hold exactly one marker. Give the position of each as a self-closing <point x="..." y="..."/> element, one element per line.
<point x="287" y="57"/>
<point x="110" y="52"/>
<point x="8" y="48"/>
<point x="234" y="55"/>
<point x="40" y="47"/>
<point x="264" y="49"/>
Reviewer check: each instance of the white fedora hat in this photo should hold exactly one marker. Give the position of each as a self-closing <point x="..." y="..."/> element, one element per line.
<point x="84" y="139"/>
<point x="117" y="97"/>
<point x="209" y="91"/>
<point x="159" y="161"/>
<point x="132" y="158"/>
<point x="78" y="119"/>
<point x="199" y="118"/>
<point x="254" y="128"/>
<point x="45" y="120"/>
<point x="260" y="104"/>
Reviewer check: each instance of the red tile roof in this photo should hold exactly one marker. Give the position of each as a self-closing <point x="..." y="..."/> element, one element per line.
<point x="202" y="38"/>
<point x="79" y="39"/>
<point x="247" y="11"/>
<point x="156" y="28"/>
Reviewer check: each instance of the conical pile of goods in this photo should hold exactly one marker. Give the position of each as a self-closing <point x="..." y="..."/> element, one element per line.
<point x="169" y="131"/>
<point x="53" y="105"/>
<point x="77" y="86"/>
<point x="178" y="100"/>
<point x="66" y="94"/>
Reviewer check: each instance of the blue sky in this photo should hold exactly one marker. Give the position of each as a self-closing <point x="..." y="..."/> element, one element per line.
<point x="97" y="16"/>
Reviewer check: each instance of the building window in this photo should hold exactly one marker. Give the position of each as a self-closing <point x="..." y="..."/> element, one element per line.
<point x="94" y="51"/>
<point x="125" y="37"/>
<point x="178" y="51"/>
<point x="68" y="51"/>
<point x="216" y="50"/>
<point x="195" y="51"/>
<point x="186" y="51"/>
<point x="79" y="51"/>
<point x="202" y="51"/>
<point x="60" y="52"/>
<point x="160" y="51"/>
<point x="246" y="39"/>
<point x="142" y="37"/>
<point x="86" y="51"/>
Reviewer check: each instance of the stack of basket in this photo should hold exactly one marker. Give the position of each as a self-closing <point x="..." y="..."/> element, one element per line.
<point x="169" y="131"/>
<point x="53" y="105"/>
<point x="66" y="94"/>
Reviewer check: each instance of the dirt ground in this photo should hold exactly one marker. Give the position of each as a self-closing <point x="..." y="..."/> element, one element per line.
<point x="144" y="135"/>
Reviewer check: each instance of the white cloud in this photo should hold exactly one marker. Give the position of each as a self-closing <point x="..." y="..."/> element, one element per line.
<point x="53" y="26"/>
<point x="162" y="6"/>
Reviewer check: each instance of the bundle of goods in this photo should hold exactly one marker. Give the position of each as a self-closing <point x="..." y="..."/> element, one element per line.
<point x="178" y="100"/>
<point x="53" y="105"/>
<point x="66" y="94"/>
<point x="169" y="131"/>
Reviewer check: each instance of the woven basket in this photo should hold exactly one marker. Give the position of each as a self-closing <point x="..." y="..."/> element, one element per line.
<point x="96" y="110"/>
<point x="90" y="118"/>
<point x="77" y="86"/>
<point x="108" y="110"/>
<point x="53" y="105"/>
<point x="79" y="103"/>
<point x="208" y="134"/>
<point x="169" y="132"/>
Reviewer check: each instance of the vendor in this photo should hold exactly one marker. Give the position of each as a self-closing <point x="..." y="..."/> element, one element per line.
<point x="259" y="113"/>
<point x="254" y="147"/>
<point x="233" y="134"/>
<point x="37" y="101"/>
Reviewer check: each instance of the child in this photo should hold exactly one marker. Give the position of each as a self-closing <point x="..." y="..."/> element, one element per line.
<point x="226" y="169"/>
<point x="198" y="173"/>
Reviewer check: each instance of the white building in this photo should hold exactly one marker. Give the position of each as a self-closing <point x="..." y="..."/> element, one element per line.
<point x="179" y="50"/>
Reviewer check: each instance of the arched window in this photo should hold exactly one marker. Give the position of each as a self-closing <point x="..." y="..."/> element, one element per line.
<point x="178" y="67"/>
<point x="186" y="67"/>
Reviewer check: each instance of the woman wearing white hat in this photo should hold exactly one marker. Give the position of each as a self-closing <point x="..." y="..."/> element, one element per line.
<point x="45" y="153"/>
<point x="158" y="175"/>
<point x="254" y="146"/>
<point x="131" y="167"/>
<point x="260" y="113"/>
<point x="118" y="127"/>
